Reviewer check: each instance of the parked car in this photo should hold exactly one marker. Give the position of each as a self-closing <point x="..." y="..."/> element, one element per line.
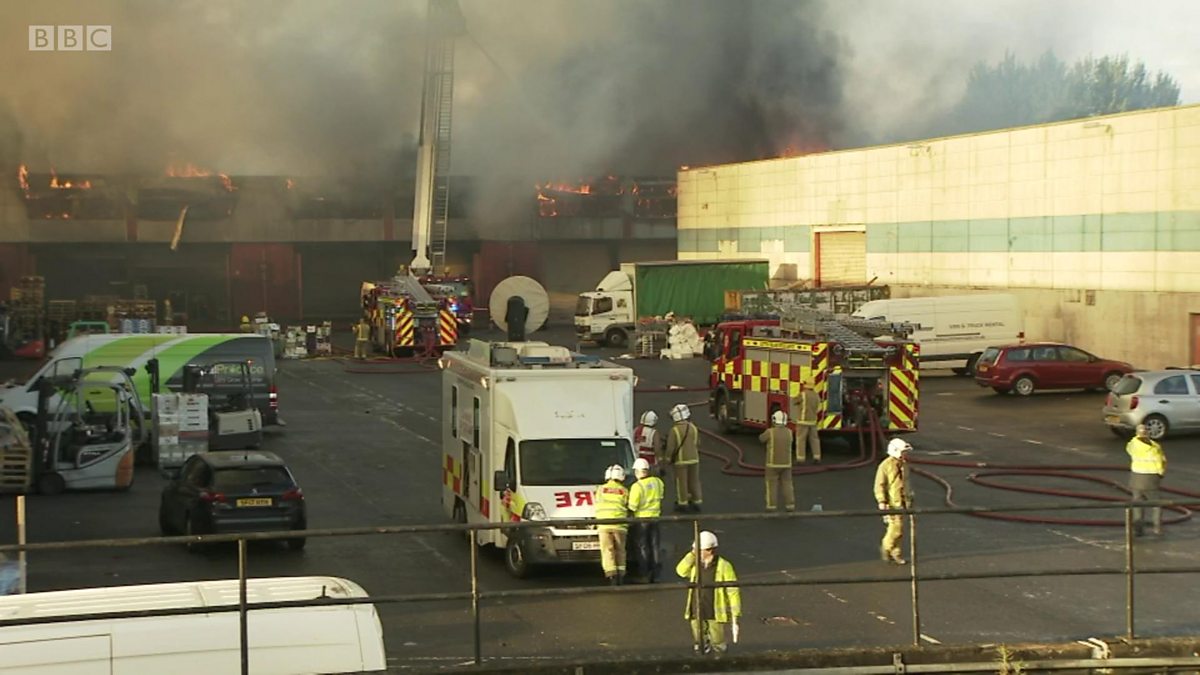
<point x="1163" y="400"/>
<point x="233" y="491"/>
<point x="1024" y="368"/>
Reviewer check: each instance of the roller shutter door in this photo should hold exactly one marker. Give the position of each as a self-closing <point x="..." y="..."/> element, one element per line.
<point x="842" y="258"/>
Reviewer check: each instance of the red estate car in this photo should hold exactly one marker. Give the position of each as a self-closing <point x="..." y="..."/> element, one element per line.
<point x="1023" y="368"/>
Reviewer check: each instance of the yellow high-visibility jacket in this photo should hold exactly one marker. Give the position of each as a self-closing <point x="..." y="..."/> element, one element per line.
<point x="612" y="501"/>
<point x="727" y="600"/>
<point x="1147" y="456"/>
<point x="645" y="497"/>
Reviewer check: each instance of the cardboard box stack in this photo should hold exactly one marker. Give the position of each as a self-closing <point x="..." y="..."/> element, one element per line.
<point x="180" y="424"/>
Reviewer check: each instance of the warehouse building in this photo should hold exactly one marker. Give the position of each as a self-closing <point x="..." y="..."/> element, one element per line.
<point x="1094" y="224"/>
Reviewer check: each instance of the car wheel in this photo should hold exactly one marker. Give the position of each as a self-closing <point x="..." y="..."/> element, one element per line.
<point x="1023" y="386"/>
<point x="724" y="419"/>
<point x="514" y="558"/>
<point x="1156" y="427"/>
<point x="615" y="337"/>
<point x="51" y="484"/>
<point x="1111" y="380"/>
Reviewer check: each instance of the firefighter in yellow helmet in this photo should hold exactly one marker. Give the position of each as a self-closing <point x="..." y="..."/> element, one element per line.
<point x="246" y="326"/>
<point x="892" y="491"/>
<point x="612" y="501"/>
<point x="715" y="607"/>
<point x="808" y="410"/>
<point x="778" y="467"/>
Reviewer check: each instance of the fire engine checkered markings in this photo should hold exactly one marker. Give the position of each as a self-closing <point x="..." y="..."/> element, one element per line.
<point x="447" y="328"/>
<point x="404" y="327"/>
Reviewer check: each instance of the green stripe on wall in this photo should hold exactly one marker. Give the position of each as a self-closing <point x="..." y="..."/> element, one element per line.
<point x="1153" y="231"/>
<point x="796" y="238"/>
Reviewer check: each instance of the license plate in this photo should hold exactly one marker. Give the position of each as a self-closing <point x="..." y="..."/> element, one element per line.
<point x="1111" y="419"/>
<point x="585" y="546"/>
<point x="254" y="501"/>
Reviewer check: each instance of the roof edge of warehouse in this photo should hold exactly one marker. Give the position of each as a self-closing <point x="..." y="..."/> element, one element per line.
<point x="934" y="139"/>
<point x="970" y="658"/>
<point x="699" y="263"/>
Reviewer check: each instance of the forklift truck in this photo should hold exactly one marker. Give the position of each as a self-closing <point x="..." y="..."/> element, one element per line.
<point x="88" y="426"/>
<point x="234" y="421"/>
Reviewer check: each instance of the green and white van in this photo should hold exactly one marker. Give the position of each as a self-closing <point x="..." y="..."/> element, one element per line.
<point x="173" y="352"/>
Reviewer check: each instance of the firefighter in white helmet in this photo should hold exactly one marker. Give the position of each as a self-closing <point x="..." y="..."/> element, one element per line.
<point x="645" y="503"/>
<point x="715" y="607"/>
<point x="778" y="466"/>
<point x="646" y="440"/>
<point x="683" y="451"/>
<point x="612" y="501"/>
<point x="892" y="491"/>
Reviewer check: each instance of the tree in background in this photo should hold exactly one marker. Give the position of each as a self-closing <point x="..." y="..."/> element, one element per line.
<point x="1011" y="93"/>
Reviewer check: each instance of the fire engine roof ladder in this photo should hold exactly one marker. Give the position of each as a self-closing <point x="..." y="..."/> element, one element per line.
<point x="856" y="335"/>
<point x="431" y="209"/>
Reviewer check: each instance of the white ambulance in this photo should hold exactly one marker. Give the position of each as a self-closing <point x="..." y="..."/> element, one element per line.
<point x="528" y="430"/>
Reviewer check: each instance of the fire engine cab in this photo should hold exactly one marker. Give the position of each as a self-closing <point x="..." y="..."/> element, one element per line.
<point x="864" y="372"/>
<point x="405" y="319"/>
<point x="528" y="430"/>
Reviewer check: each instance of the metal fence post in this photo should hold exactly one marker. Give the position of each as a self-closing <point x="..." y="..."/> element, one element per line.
<point x="245" y="642"/>
<point x="475" y="594"/>
<point x="697" y="584"/>
<point x="21" y="565"/>
<point x="1129" y="572"/>
<point x="912" y="575"/>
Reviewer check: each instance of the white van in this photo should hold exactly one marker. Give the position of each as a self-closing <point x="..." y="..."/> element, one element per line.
<point x="329" y="639"/>
<point x="953" y="330"/>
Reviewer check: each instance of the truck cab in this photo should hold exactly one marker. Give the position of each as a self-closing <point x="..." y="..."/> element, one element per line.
<point x="528" y="431"/>
<point x="606" y="314"/>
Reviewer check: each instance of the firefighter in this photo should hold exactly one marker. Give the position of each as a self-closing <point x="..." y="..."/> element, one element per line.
<point x="683" y="451"/>
<point x="778" y="469"/>
<point x="645" y="438"/>
<point x="716" y="606"/>
<point x="892" y="491"/>
<point x="808" y="403"/>
<point x="246" y="326"/>
<point x="612" y="501"/>
<point x="1146" y="468"/>
<point x="362" y="338"/>
<point x="645" y="502"/>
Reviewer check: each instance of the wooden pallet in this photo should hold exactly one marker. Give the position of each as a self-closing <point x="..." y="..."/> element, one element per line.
<point x="16" y="456"/>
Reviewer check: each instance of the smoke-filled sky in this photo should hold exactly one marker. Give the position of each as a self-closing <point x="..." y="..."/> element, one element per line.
<point x="544" y="88"/>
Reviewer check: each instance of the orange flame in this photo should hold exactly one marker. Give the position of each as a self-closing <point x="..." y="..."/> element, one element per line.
<point x="189" y="170"/>
<point x="291" y="183"/>
<point x="23" y="179"/>
<point x="60" y="185"/>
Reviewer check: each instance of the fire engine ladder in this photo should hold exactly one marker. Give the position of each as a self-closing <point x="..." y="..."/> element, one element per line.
<point x="440" y="78"/>
<point x="856" y="335"/>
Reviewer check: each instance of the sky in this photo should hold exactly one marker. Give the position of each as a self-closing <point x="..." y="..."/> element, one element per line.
<point x="549" y="88"/>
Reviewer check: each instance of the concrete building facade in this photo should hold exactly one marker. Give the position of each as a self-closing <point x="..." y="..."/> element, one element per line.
<point x="1093" y="223"/>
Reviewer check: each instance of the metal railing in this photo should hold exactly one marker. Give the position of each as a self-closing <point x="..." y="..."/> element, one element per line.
<point x="476" y="596"/>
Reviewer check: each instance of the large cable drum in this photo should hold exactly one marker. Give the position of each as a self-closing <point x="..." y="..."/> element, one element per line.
<point x="536" y="300"/>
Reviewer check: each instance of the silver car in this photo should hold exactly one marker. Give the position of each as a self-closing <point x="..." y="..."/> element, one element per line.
<point x="1164" y="400"/>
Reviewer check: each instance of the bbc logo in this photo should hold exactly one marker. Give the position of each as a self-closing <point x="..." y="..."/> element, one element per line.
<point x="70" y="38"/>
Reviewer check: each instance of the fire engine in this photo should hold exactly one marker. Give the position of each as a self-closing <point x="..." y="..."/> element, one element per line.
<point x="405" y="319"/>
<point x="456" y="292"/>
<point x="862" y="371"/>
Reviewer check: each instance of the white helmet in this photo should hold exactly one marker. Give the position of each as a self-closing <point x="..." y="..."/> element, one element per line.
<point x="779" y="418"/>
<point x="681" y="412"/>
<point x="707" y="540"/>
<point x="649" y="418"/>
<point x="897" y="447"/>
<point x="614" y="472"/>
<point x="641" y="464"/>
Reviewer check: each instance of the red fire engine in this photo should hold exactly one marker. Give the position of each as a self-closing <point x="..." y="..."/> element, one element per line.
<point x="853" y="365"/>
<point x="405" y="320"/>
<point x="456" y="291"/>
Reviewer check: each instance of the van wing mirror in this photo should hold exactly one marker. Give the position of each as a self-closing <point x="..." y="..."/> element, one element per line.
<point x="500" y="481"/>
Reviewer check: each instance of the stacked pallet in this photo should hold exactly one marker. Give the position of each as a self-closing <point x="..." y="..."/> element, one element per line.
<point x="16" y="457"/>
<point x="180" y="428"/>
<point x="133" y="316"/>
<point x="27" y="311"/>
<point x="94" y="307"/>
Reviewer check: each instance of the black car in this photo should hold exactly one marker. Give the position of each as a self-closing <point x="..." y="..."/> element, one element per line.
<point x="233" y="491"/>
